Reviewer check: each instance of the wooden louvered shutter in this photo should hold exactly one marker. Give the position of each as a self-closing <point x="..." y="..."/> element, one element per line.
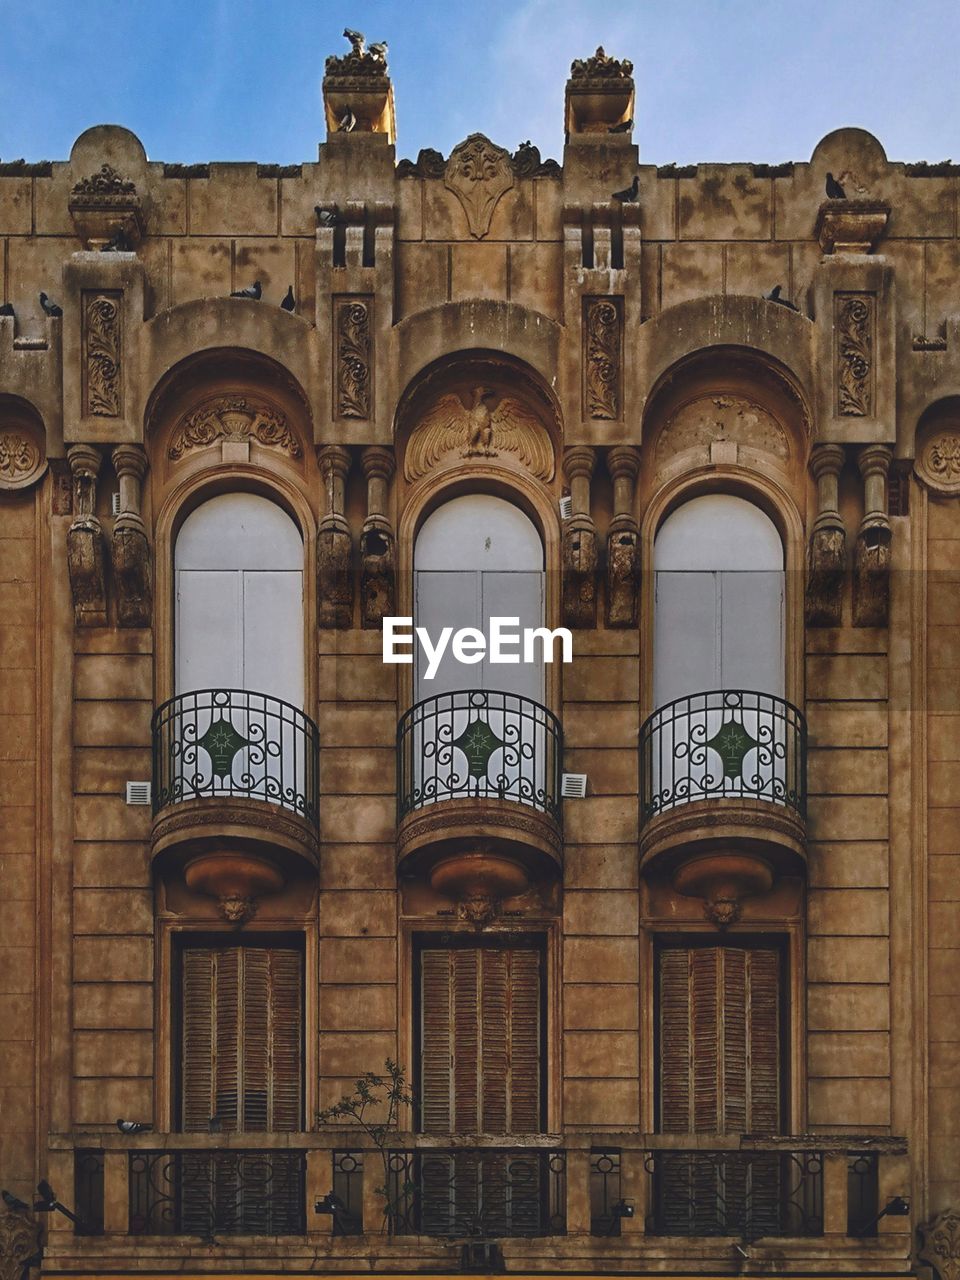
<point x="480" y="1040"/>
<point x="241" y="1050"/>
<point x="720" y="1057"/>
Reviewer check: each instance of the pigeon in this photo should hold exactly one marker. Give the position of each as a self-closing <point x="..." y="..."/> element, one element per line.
<point x="327" y="217"/>
<point x="214" y="1124"/>
<point x="133" y="1126"/>
<point x="774" y="296"/>
<point x="379" y="50"/>
<point x="252" y="291"/>
<point x="118" y="243"/>
<point x="629" y="194"/>
<point x="14" y="1202"/>
<point x="834" y="189"/>
<point x="6" y="309"/>
<point x="50" y="308"/>
<point x="623" y="127"/>
<point x="357" y="39"/>
<point x="46" y="1192"/>
<point x="347" y="122"/>
<point x="289" y="301"/>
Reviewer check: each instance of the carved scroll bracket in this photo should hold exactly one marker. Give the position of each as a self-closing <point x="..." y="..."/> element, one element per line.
<point x="827" y="555"/>
<point x="623" y="540"/>
<point x="580" y="551"/>
<point x="377" y="542"/>
<point x="603" y="329"/>
<point x="354" y="371"/>
<point x="102" y="380"/>
<point x="871" y="580"/>
<point x="940" y="1244"/>
<point x="85" y="540"/>
<point x="19" y="1243"/>
<point x="334" y="543"/>
<point x="130" y="545"/>
<point x="855" y="325"/>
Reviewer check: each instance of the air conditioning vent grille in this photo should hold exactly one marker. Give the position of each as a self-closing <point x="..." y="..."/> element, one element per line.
<point x="138" y="793"/>
<point x="573" y="786"/>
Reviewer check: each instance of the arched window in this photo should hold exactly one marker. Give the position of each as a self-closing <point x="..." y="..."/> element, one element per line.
<point x="236" y="723"/>
<point x="478" y="557"/>
<point x="718" y="565"/>
<point x="720" y="725"/>
<point x="239" y="606"/>
<point x="478" y="728"/>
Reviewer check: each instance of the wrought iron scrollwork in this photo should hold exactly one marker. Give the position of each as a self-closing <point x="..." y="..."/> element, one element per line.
<point x="215" y="1193"/>
<point x="232" y="742"/>
<point x="750" y="1194"/>
<point x="725" y="744"/>
<point x="481" y="744"/>
<point x="484" y="1192"/>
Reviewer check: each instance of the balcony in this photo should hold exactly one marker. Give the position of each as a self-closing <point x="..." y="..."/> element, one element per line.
<point x="723" y="795"/>
<point x="235" y="793"/>
<point x="479" y="808"/>
<point x="803" y="1205"/>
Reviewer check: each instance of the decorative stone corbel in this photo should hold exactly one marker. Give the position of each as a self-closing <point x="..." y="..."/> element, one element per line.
<point x="579" y="542"/>
<point x="19" y="1243"/>
<point x="827" y="555"/>
<point x="334" y="543"/>
<point x="623" y="540"/>
<point x="377" y="543"/>
<point x="871" y="571"/>
<point x="85" y="540"/>
<point x="940" y="1244"/>
<point x="131" y="549"/>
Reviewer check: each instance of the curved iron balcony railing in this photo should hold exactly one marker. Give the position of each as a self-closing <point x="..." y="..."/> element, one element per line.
<point x="479" y="744"/>
<point x="233" y="743"/>
<point x="728" y="744"/>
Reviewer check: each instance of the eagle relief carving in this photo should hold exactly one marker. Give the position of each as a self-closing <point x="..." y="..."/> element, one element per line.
<point x="488" y="427"/>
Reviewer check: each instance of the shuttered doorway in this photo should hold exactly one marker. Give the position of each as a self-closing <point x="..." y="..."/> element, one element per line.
<point x="480" y="1066"/>
<point x="720" y="1070"/>
<point x="240" y="1069"/>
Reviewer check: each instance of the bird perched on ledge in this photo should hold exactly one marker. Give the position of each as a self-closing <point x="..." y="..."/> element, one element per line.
<point x="328" y="217"/>
<point x="347" y="122"/>
<point x="629" y="194"/>
<point x="14" y="1202"/>
<point x="623" y="127"/>
<point x="774" y="296"/>
<point x="252" y="291"/>
<point x="357" y="39"/>
<point x="379" y="50"/>
<point x="834" y="190"/>
<point x="50" y="308"/>
<point x="6" y="309"/>
<point x="133" y="1126"/>
<point x="289" y="301"/>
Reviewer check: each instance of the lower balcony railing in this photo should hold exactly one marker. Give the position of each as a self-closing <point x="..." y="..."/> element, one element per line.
<point x="211" y="1193"/>
<point x="728" y="744"/>
<point x="749" y="1194"/>
<point x="748" y="1189"/>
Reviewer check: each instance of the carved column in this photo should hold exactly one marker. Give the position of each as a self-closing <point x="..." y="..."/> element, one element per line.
<point x="131" y="548"/>
<point x="334" y="543"/>
<point x="871" y="571"/>
<point x="827" y="556"/>
<point x="377" y="543"/>
<point x="623" y="540"/>
<point x="580" y="542"/>
<point x="85" y="540"/>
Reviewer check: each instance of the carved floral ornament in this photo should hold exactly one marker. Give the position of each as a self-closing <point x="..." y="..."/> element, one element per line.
<point x="601" y="67"/>
<point x="19" y="1243"/>
<point x="938" y="461"/>
<point x="478" y="173"/>
<point x="854" y="324"/>
<point x="101" y="352"/>
<point x="449" y="431"/>
<point x="105" y="182"/>
<point x="941" y="1245"/>
<point x="240" y="419"/>
<point x="22" y="460"/>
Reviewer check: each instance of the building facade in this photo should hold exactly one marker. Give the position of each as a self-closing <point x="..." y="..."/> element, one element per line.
<point x="665" y="939"/>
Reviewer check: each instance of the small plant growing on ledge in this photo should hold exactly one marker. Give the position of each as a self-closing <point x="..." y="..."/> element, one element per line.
<point x="379" y="1095"/>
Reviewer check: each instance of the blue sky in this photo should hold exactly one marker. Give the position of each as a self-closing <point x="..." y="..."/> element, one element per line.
<point x="240" y="79"/>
